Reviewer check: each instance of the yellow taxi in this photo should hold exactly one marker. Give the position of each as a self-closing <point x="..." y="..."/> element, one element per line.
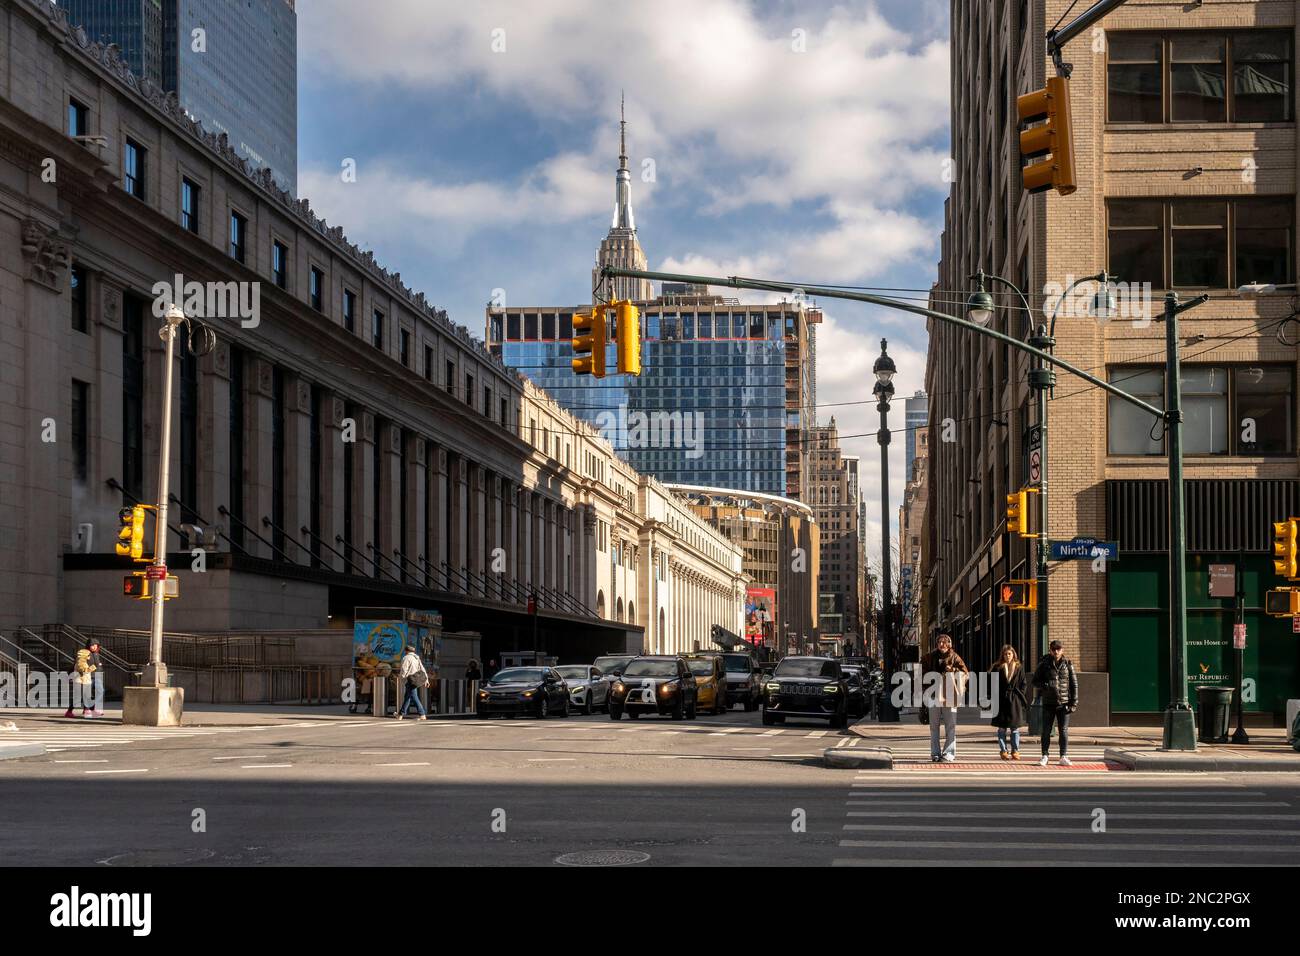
<point x="710" y="682"/>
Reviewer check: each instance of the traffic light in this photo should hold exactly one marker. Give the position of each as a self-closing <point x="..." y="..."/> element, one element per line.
<point x="1054" y="137"/>
<point x="1018" y="513"/>
<point x="589" y="340"/>
<point x="629" y="338"/>
<point x="130" y="536"/>
<point x="137" y="585"/>
<point x="1282" y="602"/>
<point x="1284" y="548"/>
<point x="1019" y="595"/>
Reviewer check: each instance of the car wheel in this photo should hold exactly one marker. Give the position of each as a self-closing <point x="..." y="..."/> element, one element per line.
<point x="768" y="719"/>
<point x="615" y="713"/>
<point x="632" y="715"/>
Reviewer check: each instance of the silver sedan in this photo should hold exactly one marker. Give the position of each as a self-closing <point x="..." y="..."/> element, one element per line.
<point x="588" y="688"/>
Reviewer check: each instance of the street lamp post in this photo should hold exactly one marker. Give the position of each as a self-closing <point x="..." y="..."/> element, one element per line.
<point x="884" y="370"/>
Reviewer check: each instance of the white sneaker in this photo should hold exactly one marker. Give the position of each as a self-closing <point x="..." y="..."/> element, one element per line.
<point x="422" y="717"/>
<point x="1065" y="762"/>
<point x="399" y="716"/>
<point x="1043" y="762"/>
<point x="949" y="759"/>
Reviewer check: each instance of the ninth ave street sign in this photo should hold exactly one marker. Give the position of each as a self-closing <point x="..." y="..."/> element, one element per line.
<point x="1084" y="549"/>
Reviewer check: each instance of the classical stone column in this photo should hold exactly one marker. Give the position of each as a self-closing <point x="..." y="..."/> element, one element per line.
<point x="297" y="466"/>
<point x="258" y="455"/>
<point x="332" y="490"/>
<point x="476" y="532"/>
<point x="493" y="565"/>
<point x="390" y="499"/>
<point x="214" y="431"/>
<point x="106" y="413"/>
<point x="363" y="492"/>
<point x="459" y="524"/>
<point x="436" y="549"/>
<point x="416" y="505"/>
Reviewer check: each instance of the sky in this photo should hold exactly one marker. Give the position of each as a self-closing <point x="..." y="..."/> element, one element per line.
<point x="796" y="141"/>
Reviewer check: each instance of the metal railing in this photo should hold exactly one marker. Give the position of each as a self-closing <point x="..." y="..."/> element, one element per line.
<point x="338" y="554"/>
<point x="225" y="513"/>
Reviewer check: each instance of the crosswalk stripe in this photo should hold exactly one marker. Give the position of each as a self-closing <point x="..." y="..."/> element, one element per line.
<point x="1103" y="847"/>
<point x="1054" y="791"/>
<point x="1109" y="801"/>
<point x="912" y="861"/>
<point x="1110" y="830"/>
<point x="1125" y="815"/>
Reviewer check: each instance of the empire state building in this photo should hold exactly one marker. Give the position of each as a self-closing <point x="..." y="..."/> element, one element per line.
<point x="621" y="246"/>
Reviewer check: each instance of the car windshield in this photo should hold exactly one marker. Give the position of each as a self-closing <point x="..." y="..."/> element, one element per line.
<point x="651" y="668"/>
<point x="701" y="666"/>
<point x="516" y="675"/>
<point x="737" y="663"/>
<point x="572" y="673"/>
<point x="611" y="663"/>
<point x="806" y="667"/>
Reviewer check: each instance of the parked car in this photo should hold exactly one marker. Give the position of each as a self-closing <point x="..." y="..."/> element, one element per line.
<point x="710" y="682"/>
<point x="524" y="691"/>
<point x="588" y="688"/>
<point x="659" y="684"/>
<point x="744" y="683"/>
<point x="806" y="687"/>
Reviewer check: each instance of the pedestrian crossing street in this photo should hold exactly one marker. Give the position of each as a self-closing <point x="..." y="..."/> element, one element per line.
<point x="910" y="823"/>
<point x="978" y="755"/>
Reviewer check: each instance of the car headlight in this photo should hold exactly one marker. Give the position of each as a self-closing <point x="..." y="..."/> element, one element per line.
<point x="668" y="687"/>
<point x="774" y="687"/>
<point x="483" y="695"/>
<point x="528" y="693"/>
<point x="831" y="689"/>
<point x="619" y="688"/>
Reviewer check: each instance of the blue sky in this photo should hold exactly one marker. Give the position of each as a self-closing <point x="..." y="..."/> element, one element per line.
<point x="792" y="140"/>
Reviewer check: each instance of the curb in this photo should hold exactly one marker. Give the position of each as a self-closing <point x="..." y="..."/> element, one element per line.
<point x="13" y="751"/>
<point x="878" y="758"/>
<point x="1149" y="762"/>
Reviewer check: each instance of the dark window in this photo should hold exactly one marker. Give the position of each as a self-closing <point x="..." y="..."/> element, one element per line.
<point x="1228" y="409"/>
<point x="1202" y="243"/>
<point x="530" y="326"/>
<point x="505" y="413"/>
<point x="428" y="362"/>
<point x="80" y="429"/>
<point x="280" y="263"/>
<point x="469" y="390"/>
<point x="450" y="381"/>
<point x="317" y="288"/>
<point x="377" y="329"/>
<point x="1133" y="79"/>
<point x="404" y="348"/>
<point x="189" y="206"/>
<point x="566" y="325"/>
<point x="1211" y="77"/>
<point x="349" y="310"/>
<point x="133" y="309"/>
<point x="512" y="327"/>
<point x="1197" y="87"/>
<point x="78" y="118"/>
<point x="80" y="315"/>
<point x="487" y="401"/>
<point x="133" y="168"/>
<point x="238" y="236"/>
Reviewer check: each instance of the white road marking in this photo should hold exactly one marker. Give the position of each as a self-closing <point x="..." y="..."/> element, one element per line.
<point x="263" y="766"/>
<point x="1104" y="847"/>
<point x="818" y="733"/>
<point x="550" y="759"/>
<point x="142" y="770"/>
<point x="81" y="761"/>
<point x="1160" y="831"/>
<point x="413" y="764"/>
<point x="1075" y="816"/>
<point x="771" y="733"/>
<point x="242" y="757"/>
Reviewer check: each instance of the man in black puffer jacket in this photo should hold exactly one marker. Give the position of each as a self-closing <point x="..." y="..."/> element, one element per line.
<point x="1058" y="688"/>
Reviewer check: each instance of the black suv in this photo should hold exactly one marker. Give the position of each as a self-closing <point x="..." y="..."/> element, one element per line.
<point x="807" y="687"/>
<point x="660" y="684"/>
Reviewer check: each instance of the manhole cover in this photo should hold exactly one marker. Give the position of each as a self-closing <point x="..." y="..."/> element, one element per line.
<point x="158" y="858"/>
<point x="602" y="858"/>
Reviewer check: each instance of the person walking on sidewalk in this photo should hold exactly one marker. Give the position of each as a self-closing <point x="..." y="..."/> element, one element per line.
<point x="1058" y="689"/>
<point x="82" y="686"/>
<point x="943" y="695"/>
<point x="416" y="677"/>
<point x="1012" y="702"/>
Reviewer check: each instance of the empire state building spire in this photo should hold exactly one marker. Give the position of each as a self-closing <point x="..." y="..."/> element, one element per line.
<point x="621" y="246"/>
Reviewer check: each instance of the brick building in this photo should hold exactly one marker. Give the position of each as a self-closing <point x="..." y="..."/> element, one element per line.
<point x="1184" y="121"/>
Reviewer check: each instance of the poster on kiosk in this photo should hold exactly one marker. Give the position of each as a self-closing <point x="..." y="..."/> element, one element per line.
<point x="380" y="636"/>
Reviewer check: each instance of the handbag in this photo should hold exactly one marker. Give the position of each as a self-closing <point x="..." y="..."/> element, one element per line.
<point x="420" y="678"/>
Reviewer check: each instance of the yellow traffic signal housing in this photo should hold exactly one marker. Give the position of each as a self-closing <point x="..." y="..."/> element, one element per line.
<point x="136" y="585"/>
<point x="1282" y="602"/>
<point x="1055" y="137"/>
<point x="1019" y="595"/>
<point x="629" y="337"/>
<point x="1018" y="513"/>
<point x="589" y="340"/>
<point x="1284" y="548"/>
<point x="130" y="535"/>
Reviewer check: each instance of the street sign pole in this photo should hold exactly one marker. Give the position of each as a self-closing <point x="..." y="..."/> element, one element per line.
<point x="1239" y="736"/>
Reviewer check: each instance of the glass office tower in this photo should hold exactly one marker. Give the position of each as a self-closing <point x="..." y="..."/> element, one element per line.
<point x="711" y="406"/>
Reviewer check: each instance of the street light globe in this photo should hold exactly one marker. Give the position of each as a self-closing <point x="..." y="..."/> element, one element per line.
<point x="884" y="367"/>
<point x="1103" y="302"/>
<point x="979" y="307"/>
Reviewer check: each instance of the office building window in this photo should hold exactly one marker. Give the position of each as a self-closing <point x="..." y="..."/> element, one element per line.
<point x="1199" y="77"/>
<point x="280" y="263"/>
<point x="189" y="206"/>
<point x="317" y="289"/>
<point x="133" y="168"/>
<point x="350" y="310"/>
<point x="78" y="118"/>
<point x="80" y="429"/>
<point x="377" y="329"/>
<point x="238" y="236"/>
<point x="404" y="347"/>
<point x="450" y="381"/>
<point x="428" y="362"/>
<point x="1202" y="243"/>
<point x="487" y="401"/>
<point x="469" y="390"/>
<point x="1244" y="409"/>
<point x="505" y="413"/>
<point x="80" y="310"/>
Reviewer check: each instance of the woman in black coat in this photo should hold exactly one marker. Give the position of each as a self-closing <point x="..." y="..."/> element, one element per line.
<point x="1012" y="702"/>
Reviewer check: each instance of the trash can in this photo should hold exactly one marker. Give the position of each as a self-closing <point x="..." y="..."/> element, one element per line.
<point x="1214" y="706"/>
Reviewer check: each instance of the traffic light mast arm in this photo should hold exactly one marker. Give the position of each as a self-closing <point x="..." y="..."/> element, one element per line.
<point x="736" y="282"/>
<point x="1056" y="39"/>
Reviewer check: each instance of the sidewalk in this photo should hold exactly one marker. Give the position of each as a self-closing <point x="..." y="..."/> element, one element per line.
<point x="195" y="715"/>
<point x="907" y="744"/>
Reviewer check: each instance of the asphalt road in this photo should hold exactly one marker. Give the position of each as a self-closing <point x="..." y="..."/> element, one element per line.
<point x="716" y="791"/>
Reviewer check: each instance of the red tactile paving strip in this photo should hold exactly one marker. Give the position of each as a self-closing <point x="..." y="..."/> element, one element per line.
<point x="1005" y="765"/>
